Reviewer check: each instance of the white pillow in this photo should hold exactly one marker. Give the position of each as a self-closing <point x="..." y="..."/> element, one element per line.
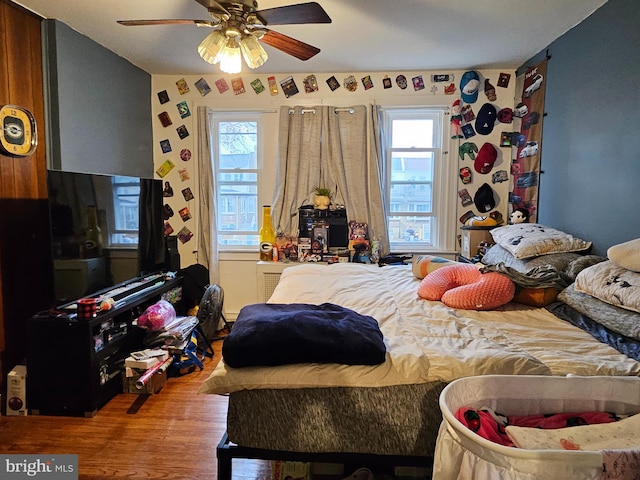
<point x="626" y="254"/>
<point x="602" y="436"/>
<point x="526" y="240"/>
<point x="612" y="284"/>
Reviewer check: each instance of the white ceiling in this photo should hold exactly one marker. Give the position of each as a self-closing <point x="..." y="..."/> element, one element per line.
<point x="365" y="35"/>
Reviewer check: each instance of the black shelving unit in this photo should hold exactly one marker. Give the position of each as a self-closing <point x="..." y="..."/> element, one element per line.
<point x="75" y="366"/>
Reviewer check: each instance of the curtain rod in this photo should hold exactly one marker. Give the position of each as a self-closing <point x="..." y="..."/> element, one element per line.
<point x="241" y="110"/>
<point x="313" y="110"/>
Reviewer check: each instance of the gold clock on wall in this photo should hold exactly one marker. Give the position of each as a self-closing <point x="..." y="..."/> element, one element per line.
<point x="18" y="135"/>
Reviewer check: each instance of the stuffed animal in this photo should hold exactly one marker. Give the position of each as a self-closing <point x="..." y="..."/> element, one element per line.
<point x="519" y="215"/>
<point x="456" y="120"/>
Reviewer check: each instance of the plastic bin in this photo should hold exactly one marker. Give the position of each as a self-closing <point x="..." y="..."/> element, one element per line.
<point x="462" y="454"/>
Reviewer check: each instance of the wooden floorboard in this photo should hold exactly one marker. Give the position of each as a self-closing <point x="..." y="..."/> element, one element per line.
<point x="170" y="435"/>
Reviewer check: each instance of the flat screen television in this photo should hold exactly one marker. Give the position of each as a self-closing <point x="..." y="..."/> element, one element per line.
<point x="94" y="219"/>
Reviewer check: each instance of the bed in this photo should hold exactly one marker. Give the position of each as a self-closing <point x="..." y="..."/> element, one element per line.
<point x="390" y="411"/>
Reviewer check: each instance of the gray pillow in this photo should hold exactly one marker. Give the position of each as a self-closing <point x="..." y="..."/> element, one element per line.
<point x="579" y="264"/>
<point x="560" y="261"/>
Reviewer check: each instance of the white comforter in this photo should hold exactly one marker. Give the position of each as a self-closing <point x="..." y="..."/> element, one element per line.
<point x="426" y="341"/>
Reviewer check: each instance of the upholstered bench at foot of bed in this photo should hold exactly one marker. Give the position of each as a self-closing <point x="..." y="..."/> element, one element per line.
<point x="465" y="287"/>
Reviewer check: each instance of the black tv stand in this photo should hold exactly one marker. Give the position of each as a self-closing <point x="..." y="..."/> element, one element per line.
<point x="75" y="366"/>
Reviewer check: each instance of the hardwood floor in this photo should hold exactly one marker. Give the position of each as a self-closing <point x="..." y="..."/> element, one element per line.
<point x="170" y="435"/>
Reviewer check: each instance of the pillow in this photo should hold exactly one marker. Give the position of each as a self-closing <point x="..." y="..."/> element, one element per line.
<point x="422" y="265"/>
<point x="582" y="262"/>
<point x="526" y="240"/>
<point x="626" y="255"/>
<point x="604" y="436"/>
<point x="619" y="320"/>
<point x="465" y="287"/>
<point x="536" y="297"/>
<point x="612" y="284"/>
<point x="559" y="261"/>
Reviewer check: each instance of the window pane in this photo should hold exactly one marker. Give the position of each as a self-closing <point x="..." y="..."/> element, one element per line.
<point x="238" y="189"/>
<point x="413" y="176"/>
<point x="238" y="142"/>
<point x="411" y="197"/>
<point x="412" y="133"/>
<point x="411" y="166"/>
<point x="227" y="177"/>
<point x="410" y="229"/>
<point x="237" y="206"/>
<point x="238" y="239"/>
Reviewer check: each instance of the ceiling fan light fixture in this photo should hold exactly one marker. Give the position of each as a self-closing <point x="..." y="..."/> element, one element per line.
<point x="212" y="45"/>
<point x="252" y="51"/>
<point x="230" y="57"/>
<point x="239" y="27"/>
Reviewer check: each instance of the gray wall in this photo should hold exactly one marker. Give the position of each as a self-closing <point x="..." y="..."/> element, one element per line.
<point x="591" y="138"/>
<point x="99" y="107"/>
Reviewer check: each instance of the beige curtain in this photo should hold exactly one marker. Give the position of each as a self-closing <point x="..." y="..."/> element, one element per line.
<point x="207" y="193"/>
<point x="299" y="170"/>
<point x="334" y="148"/>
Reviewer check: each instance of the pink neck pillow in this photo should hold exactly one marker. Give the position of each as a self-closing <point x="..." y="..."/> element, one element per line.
<point x="465" y="287"/>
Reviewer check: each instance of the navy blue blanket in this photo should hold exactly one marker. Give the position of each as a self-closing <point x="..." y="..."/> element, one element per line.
<point x="268" y="334"/>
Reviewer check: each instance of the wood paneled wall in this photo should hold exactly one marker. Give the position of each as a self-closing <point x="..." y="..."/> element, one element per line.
<point x="25" y="257"/>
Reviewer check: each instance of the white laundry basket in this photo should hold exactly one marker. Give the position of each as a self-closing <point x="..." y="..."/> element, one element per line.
<point x="461" y="454"/>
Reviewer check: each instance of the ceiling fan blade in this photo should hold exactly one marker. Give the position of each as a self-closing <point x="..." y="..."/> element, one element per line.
<point x="213" y="6"/>
<point x="310" y="12"/>
<point x="289" y="45"/>
<point x="199" y="23"/>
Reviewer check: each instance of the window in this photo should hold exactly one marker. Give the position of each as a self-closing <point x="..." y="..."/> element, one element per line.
<point x="237" y="152"/>
<point x="126" y="195"/>
<point x="417" y="181"/>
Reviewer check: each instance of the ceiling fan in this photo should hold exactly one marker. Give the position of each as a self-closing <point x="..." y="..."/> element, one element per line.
<point x="239" y="27"/>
